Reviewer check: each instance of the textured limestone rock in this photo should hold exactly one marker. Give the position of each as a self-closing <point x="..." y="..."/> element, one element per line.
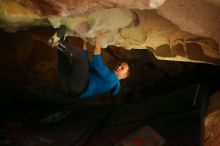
<point x="77" y="7"/>
<point x="198" y="17"/>
<point x="142" y="30"/>
<point x="128" y="28"/>
<point x="215" y="2"/>
<point x="105" y="20"/>
<point x="14" y="16"/>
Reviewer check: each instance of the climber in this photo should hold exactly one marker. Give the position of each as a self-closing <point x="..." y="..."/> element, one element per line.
<point x="81" y="77"/>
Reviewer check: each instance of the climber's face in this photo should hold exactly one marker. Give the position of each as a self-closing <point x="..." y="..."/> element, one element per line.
<point x="122" y="70"/>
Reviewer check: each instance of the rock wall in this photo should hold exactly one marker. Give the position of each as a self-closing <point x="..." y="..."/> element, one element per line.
<point x="14" y="16"/>
<point x="212" y="120"/>
<point x="168" y="32"/>
<point x="197" y="17"/>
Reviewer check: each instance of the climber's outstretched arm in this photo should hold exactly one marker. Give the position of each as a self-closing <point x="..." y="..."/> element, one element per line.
<point x="99" y="39"/>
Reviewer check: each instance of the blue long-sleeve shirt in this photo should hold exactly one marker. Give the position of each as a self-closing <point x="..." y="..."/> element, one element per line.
<point x="101" y="78"/>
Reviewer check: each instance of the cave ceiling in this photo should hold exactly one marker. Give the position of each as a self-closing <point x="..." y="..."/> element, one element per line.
<point x="173" y="30"/>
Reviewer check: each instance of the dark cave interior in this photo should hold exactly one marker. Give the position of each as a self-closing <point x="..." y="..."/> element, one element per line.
<point x="158" y="93"/>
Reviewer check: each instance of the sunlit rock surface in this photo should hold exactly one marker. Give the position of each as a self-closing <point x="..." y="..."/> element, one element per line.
<point x="194" y="38"/>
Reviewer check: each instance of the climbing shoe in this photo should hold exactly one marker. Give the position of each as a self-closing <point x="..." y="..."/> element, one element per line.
<point x="58" y="36"/>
